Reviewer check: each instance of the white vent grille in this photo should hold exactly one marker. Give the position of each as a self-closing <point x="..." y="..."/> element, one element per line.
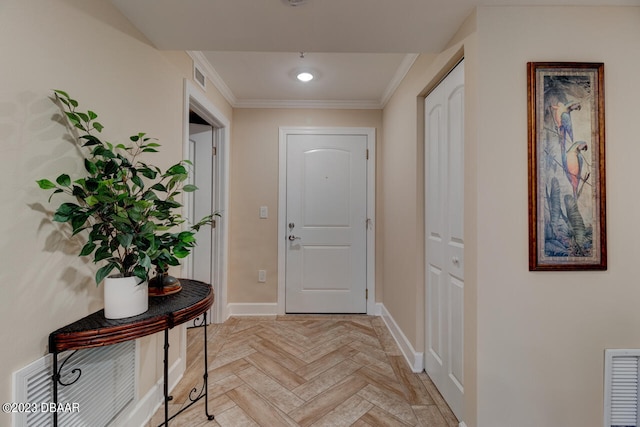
<point x="105" y="387"/>
<point x="622" y="377"/>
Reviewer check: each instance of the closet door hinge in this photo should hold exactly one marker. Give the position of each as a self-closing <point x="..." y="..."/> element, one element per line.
<point x="366" y="294"/>
<point x="367" y="154"/>
<point x="214" y="151"/>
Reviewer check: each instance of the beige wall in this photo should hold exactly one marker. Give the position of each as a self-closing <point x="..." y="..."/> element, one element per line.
<point x="253" y="241"/>
<point x="542" y="335"/>
<point x="89" y="49"/>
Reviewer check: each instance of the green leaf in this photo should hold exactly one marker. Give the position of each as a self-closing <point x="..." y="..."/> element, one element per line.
<point x="104" y="272"/>
<point x="91" y="140"/>
<point x="176" y="169"/>
<point x="64" y="180"/>
<point x="59" y="190"/>
<point x="83" y="116"/>
<point x="87" y="249"/>
<point x="73" y="118"/>
<point x="137" y="181"/>
<point x="62" y="93"/>
<point x="68" y="208"/>
<point x="92" y="115"/>
<point x="58" y="217"/>
<point x="45" y="184"/>
<point x="181" y="252"/>
<point x="189" y="188"/>
<point x="77" y="223"/>
<point x="138" y="137"/>
<point x="187" y="237"/>
<point x="125" y="240"/>
<point x="91" y="201"/>
<point x="90" y="167"/>
<point x="78" y="191"/>
<point x="145" y="261"/>
<point x="102" y="253"/>
<point x="159" y="187"/>
<point x="140" y="272"/>
<point x="97" y="126"/>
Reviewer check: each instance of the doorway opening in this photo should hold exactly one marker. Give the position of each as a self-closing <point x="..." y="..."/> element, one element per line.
<point x="206" y="146"/>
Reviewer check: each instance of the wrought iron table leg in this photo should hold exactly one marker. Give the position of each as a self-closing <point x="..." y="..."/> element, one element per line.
<point x="167" y="398"/>
<point x="205" y="377"/>
<point x="55" y="377"/>
<point x="204" y="391"/>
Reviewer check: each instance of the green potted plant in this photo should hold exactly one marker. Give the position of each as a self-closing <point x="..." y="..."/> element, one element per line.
<point x="127" y="208"/>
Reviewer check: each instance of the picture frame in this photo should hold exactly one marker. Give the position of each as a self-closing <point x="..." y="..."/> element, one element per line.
<point x="566" y="165"/>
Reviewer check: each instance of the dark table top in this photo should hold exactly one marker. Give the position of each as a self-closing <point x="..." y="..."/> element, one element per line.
<point x="164" y="312"/>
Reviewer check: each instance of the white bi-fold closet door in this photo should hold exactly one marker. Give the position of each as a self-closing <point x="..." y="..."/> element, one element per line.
<point x="444" y="252"/>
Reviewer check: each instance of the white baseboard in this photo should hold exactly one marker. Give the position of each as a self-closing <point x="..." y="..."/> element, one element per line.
<point x="252" y="309"/>
<point x="414" y="358"/>
<point x="144" y="409"/>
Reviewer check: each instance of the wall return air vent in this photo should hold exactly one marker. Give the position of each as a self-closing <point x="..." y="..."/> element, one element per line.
<point x="621" y="385"/>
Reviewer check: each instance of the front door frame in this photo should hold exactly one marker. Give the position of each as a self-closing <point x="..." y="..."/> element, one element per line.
<point x="371" y="204"/>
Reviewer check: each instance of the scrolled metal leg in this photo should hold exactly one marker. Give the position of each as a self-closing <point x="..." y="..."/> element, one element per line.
<point x="167" y="398"/>
<point x="205" y="377"/>
<point x="194" y="394"/>
<point x="57" y="379"/>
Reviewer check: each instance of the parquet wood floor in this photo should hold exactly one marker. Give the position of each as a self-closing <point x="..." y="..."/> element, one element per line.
<point x="305" y="370"/>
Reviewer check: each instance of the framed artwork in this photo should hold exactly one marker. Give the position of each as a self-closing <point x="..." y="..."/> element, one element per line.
<point x="567" y="221"/>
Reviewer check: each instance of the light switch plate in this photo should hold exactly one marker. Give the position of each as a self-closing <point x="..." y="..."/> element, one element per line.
<point x="264" y="212"/>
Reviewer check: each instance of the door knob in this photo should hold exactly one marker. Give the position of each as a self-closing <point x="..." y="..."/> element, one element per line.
<point x="292" y="237"/>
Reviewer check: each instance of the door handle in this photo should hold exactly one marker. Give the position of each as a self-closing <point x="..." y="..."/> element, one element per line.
<point x="292" y="237"/>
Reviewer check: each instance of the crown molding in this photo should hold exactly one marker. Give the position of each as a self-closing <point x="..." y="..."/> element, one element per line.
<point x="400" y="74"/>
<point x="293" y="103"/>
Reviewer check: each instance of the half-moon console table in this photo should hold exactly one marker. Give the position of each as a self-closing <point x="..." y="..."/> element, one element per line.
<point x="164" y="313"/>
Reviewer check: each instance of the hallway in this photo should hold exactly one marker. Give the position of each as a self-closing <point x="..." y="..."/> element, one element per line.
<point x="305" y="370"/>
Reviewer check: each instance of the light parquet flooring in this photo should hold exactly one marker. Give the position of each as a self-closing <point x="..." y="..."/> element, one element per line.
<point x="305" y="370"/>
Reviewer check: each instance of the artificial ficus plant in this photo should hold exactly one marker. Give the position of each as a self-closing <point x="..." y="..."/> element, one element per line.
<point x="127" y="206"/>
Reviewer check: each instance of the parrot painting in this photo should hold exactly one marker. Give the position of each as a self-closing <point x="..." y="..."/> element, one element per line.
<point x="572" y="158"/>
<point x="574" y="163"/>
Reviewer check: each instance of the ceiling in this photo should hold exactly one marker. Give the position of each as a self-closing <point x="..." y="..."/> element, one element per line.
<point x="359" y="49"/>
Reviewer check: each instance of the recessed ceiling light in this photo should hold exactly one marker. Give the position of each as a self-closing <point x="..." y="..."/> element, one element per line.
<point x="305" y="76"/>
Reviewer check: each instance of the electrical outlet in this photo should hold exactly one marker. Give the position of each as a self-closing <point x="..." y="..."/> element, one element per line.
<point x="262" y="276"/>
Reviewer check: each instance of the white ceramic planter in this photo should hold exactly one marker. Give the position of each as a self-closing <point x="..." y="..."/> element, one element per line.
<point x="125" y="297"/>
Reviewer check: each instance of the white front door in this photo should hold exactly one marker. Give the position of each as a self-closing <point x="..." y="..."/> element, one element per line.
<point x="444" y="213"/>
<point x="326" y="223"/>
